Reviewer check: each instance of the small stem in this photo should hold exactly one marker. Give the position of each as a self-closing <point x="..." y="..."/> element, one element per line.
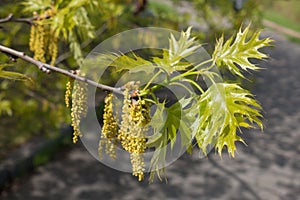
<point x="191" y="72"/>
<point x="195" y="84"/>
<point x="188" y="73"/>
<point x="47" y="68"/>
<point x="203" y="63"/>
<point x="151" y="90"/>
<point x="147" y="91"/>
<point x="183" y="86"/>
<point x="152" y="79"/>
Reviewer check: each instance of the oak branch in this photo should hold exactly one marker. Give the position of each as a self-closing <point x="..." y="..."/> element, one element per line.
<point x="48" y="68"/>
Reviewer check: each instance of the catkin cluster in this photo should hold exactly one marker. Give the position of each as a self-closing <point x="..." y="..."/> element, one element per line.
<point x="109" y="129"/>
<point x="42" y="41"/>
<point x="79" y="107"/>
<point x="130" y="134"/>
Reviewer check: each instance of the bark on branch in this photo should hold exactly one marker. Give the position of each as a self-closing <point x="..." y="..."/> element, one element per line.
<point x="48" y="68"/>
<point x="10" y="18"/>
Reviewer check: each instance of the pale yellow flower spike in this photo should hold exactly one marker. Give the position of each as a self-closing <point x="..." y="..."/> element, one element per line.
<point x="79" y="108"/>
<point x="68" y="93"/>
<point x="53" y="49"/>
<point x="32" y="38"/>
<point x="39" y="51"/>
<point x="109" y="130"/>
<point x="132" y="131"/>
<point x="42" y="39"/>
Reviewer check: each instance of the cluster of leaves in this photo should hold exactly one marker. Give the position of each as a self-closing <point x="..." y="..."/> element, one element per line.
<point x="73" y="23"/>
<point x="22" y="102"/>
<point x="213" y="115"/>
<point x="78" y="105"/>
<point x="66" y="19"/>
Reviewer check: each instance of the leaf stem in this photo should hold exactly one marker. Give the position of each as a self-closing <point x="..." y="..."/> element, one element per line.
<point x="192" y="72"/>
<point x="203" y="63"/>
<point x="148" y="90"/>
<point x="151" y="80"/>
<point x="183" y="86"/>
<point x="195" y="84"/>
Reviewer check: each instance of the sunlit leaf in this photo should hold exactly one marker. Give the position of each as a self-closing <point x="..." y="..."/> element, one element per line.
<point x="122" y="62"/>
<point x="224" y="109"/>
<point x="178" y="50"/>
<point x="169" y="124"/>
<point x="70" y="21"/>
<point x="235" y="53"/>
<point x="36" y="5"/>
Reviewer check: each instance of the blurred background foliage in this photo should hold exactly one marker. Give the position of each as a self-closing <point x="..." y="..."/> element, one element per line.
<point x="36" y="107"/>
<point x="286" y="13"/>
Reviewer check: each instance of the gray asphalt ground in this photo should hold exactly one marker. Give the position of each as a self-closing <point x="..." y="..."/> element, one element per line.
<point x="268" y="168"/>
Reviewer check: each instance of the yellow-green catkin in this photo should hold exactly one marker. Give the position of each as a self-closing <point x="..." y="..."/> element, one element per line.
<point x="47" y="38"/>
<point x="109" y="129"/>
<point x="32" y="37"/>
<point x="132" y="132"/>
<point x="79" y="108"/>
<point x="52" y="47"/>
<point x="43" y="42"/>
<point x="138" y="165"/>
<point x="68" y="93"/>
<point x="39" y="46"/>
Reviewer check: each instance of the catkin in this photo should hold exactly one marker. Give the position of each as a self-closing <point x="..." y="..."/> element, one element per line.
<point x="32" y="37"/>
<point x="138" y="165"/>
<point x="132" y="133"/>
<point x="39" y="51"/>
<point x="43" y="42"/>
<point x="68" y="93"/>
<point x="52" y="48"/>
<point x="79" y="108"/>
<point x="109" y="129"/>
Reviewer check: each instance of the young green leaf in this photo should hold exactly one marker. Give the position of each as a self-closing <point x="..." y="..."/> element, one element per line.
<point x="236" y="54"/>
<point x="178" y="50"/>
<point x="158" y="140"/>
<point x="126" y="62"/>
<point x="224" y="109"/>
<point x="36" y="5"/>
<point x="169" y="124"/>
<point x="10" y="74"/>
<point x="168" y="65"/>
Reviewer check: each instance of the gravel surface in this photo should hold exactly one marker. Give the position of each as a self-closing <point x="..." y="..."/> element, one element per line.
<point x="268" y="169"/>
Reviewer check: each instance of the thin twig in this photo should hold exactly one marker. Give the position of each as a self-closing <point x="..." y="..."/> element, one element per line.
<point x="10" y="18"/>
<point x="47" y="68"/>
<point x="6" y="19"/>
